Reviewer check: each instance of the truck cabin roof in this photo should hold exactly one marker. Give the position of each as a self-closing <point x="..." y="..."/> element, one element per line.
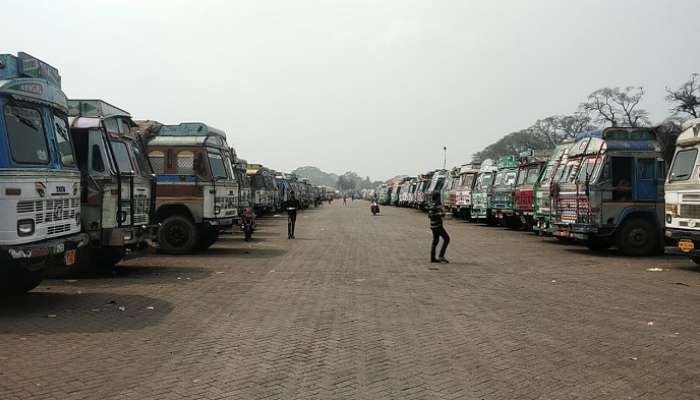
<point x="690" y="134"/>
<point x="26" y="78"/>
<point x="617" y="140"/>
<point x="187" y="134"/>
<point x="87" y="114"/>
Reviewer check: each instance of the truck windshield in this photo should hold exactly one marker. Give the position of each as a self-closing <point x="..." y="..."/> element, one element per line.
<point x="121" y="154"/>
<point x="141" y="160"/>
<point x="25" y="132"/>
<point x="467" y="181"/>
<point x="486" y="180"/>
<point x="532" y="174"/>
<point x="683" y="164"/>
<point x="63" y="140"/>
<point x="587" y="170"/>
<point x="546" y="175"/>
<point x="218" y="168"/>
<point x="499" y="179"/>
<point x="510" y="178"/>
<point x="522" y="174"/>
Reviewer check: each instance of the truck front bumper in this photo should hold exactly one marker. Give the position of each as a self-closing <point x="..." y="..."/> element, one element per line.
<point x="676" y="236"/>
<point x="34" y="256"/>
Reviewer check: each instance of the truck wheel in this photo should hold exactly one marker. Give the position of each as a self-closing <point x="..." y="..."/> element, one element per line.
<point x="207" y="238"/>
<point x="638" y="237"/>
<point x="177" y="235"/>
<point x="22" y="280"/>
<point x="598" y="244"/>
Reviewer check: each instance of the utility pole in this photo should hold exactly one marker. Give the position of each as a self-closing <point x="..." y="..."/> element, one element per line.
<point x="444" y="160"/>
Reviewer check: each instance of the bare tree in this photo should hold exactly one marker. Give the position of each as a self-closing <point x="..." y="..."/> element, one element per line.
<point x="571" y="125"/>
<point x="547" y="129"/>
<point x="686" y="99"/>
<point x="617" y="106"/>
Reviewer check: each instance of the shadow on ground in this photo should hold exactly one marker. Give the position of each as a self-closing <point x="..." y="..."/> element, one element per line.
<point x="48" y="313"/>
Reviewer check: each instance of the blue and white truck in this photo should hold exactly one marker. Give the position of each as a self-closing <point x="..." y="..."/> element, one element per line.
<point x="39" y="179"/>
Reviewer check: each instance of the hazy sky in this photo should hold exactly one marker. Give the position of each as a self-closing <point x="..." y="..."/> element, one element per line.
<point x="373" y="86"/>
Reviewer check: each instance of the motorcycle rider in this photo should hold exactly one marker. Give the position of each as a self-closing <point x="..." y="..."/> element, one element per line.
<point x="291" y="205"/>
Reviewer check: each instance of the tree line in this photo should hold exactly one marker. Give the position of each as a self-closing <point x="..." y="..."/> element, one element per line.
<point x="618" y="106"/>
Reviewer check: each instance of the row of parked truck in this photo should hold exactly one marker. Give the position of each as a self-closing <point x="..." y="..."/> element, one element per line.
<point x="607" y="187"/>
<point x="82" y="183"/>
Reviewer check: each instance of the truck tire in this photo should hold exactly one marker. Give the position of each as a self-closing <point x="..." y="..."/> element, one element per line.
<point x="598" y="244"/>
<point x="177" y="235"/>
<point x="638" y="237"/>
<point x="22" y="280"/>
<point x="207" y="237"/>
<point x="95" y="261"/>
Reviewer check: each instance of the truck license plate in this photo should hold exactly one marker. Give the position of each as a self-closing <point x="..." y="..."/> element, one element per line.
<point x="686" y="245"/>
<point x="69" y="257"/>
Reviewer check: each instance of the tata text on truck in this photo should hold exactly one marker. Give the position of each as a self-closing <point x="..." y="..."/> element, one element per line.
<point x="482" y="193"/>
<point x="463" y="189"/>
<point x="503" y="191"/>
<point x="530" y="168"/>
<point x="116" y="179"/>
<point x="683" y="195"/>
<point x="612" y="191"/>
<point x="543" y="201"/>
<point x="39" y="179"/>
<point x="196" y="191"/>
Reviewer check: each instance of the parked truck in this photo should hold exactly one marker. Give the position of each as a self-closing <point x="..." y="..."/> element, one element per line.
<point x="482" y="193"/>
<point x="682" y="192"/>
<point x="116" y="180"/>
<point x="503" y="192"/>
<point x="530" y="168"/>
<point x="612" y="191"/>
<point x="39" y="180"/>
<point x="196" y="191"/>
<point x="543" y="202"/>
<point x="463" y="189"/>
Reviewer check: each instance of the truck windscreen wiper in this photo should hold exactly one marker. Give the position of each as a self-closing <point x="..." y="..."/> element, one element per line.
<point x="26" y="121"/>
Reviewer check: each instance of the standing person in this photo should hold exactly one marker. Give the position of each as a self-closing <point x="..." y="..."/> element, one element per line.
<point x="291" y="205"/>
<point x="345" y="199"/>
<point x="435" y="214"/>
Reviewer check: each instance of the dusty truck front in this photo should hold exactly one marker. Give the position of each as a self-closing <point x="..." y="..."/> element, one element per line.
<point x="612" y="192"/>
<point x="117" y="182"/>
<point x="503" y="191"/>
<point x="39" y="181"/>
<point x="543" y="201"/>
<point x="196" y="192"/>
<point x="682" y="192"/>
<point x="482" y="193"/>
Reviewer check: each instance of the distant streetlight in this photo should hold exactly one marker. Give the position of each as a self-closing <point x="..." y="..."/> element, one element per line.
<point x="444" y="160"/>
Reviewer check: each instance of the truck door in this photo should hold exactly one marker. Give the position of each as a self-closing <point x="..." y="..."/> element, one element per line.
<point x="645" y="182"/>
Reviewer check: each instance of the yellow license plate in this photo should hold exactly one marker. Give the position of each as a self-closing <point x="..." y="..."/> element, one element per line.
<point x="69" y="257"/>
<point x="686" y="245"/>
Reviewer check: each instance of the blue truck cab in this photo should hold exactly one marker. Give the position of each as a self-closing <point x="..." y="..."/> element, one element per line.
<point x="39" y="180"/>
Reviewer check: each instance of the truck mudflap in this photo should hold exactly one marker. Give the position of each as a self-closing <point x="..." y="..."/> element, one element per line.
<point x="34" y="256"/>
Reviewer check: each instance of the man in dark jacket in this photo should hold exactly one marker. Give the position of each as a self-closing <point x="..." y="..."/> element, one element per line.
<point x="291" y="205"/>
<point x="435" y="214"/>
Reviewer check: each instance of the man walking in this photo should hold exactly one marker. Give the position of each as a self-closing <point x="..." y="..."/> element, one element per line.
<point x="291" y="205"/>
<point x="435" y="214"/>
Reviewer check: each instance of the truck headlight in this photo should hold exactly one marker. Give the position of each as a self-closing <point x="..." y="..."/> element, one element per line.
<point x="217" y="210"/>
<point x="25" y="227"/>
<point x="77" y="218"/>
<point x="669" y="218"/>
<point x="127" y="236"/>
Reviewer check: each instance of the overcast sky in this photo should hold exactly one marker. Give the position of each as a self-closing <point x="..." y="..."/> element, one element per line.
<point x="377" y="87"/>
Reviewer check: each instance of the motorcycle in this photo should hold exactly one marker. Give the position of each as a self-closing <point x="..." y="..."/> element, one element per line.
<point x="375" y="209"/>
<point x="248" y="223"/>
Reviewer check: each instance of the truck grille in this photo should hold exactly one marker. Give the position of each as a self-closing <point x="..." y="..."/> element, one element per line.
<point x="53" y="213"/>
<point x="141" y="210"/>
<point x="690" y="211"/>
